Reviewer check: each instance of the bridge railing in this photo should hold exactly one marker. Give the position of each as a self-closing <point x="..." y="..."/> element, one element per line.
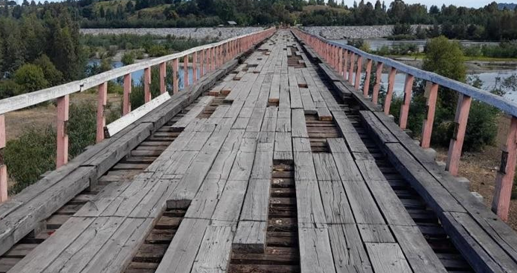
<point x="204" y="59"/>
<point x="348" y="62"/>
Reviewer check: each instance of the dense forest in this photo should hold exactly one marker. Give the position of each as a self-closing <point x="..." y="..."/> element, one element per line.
<point x="492" y="22"/>
<point x="39" y="47"/>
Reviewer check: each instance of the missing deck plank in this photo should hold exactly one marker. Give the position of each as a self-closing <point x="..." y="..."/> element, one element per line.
<point x="319" y="131"/>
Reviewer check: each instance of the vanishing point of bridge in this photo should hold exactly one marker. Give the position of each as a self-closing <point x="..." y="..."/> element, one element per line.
<point x="270" y="160"/>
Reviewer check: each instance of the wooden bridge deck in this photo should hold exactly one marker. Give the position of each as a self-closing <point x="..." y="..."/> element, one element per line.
<point x="279" y="167"/>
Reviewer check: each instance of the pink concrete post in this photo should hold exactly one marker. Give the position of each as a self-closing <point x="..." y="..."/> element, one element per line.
<point x="147" y="84"/>
<point x="404" y="109"/>
<point x="427" y="129"/>
<point x="3" y="169"/>
<point x="194" y="67"/>
<point x="126" y="99"/>
<point x="389" y="94"/>
<point x="358" y="72"/>
<point x="340" y="61"/>
<point x="351" y="68"/>
<point x="212" y="59"/>
<point x="505" y="175"/>
<point x="63" y="104"/>
<point x="366" y="87"/>
<point x="345" y="65"/>
<point x="175" y="81"/>
<point x="185" y="72"/>
<point x="456" y="144"/>
<point x="337" y="60"/>
<point x="202" y="64"/>
<point x="101" y="105"/>
<point x="163" y="72"/>
<point x="377" y="86"/>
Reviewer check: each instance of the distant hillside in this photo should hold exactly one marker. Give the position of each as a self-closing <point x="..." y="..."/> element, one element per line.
<point x="511" y="6"/>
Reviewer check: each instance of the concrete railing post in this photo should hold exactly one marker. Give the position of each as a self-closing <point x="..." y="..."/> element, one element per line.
<point x="377" y="86"/>
<point x="460" y="124"/>
<point x="427" y="128"/>
<point x="366" y="86"/>
<point x="358" y="72"/>
<point x="202" y="63"/>
<point x="345" y="65"/>
<point x="101" y="105"/>
<point x="194" y="67"/>
<point x="3" y="168"/>
<point x="389" y="93"/>
<point x="175" y="78"/>
<point x="126" y="99"/>
<point x="404" y="109"/>
<point x="163" y="72"/>
<point x="185" y="72"/>
<point x="147" y="85"/>
<point x="506" y="173"/>
<point x="351" y="69"/>
<point x="63" y="104"/>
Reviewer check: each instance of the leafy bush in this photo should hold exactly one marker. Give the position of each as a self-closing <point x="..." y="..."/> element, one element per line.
<point x="34" y="152"/>
<point x="157" y="51"/>
<point x="30" y="78"/>
<point x="128" y="58"/>
<point x="30" y="156"/>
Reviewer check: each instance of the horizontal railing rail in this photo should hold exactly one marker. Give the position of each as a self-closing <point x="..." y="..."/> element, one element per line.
<point x="348" y="61"/>
<point x="202" y="60"/>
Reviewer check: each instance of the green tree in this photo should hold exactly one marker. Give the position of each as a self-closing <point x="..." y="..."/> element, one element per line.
<point x="54" y="76"/>
<point x="30" y="78"/>
<point x="445" y="58"/>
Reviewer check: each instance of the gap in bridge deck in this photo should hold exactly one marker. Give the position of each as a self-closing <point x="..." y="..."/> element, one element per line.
<point x="422" y="215"/>
<point x="319" y="131"/>
<point x="151" y="252"/>
<point x="282" y="254"/>
<point x="121" y="173"/>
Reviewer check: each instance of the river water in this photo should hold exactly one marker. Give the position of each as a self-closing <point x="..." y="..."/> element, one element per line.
<point x="490" y="79"/>
<point x="138" y="75"/>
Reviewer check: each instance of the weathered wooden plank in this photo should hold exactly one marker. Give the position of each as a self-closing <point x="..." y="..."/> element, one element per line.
<point x="308" y="104"/>
<point x="299" y="128"/>
<point x="315" y="250"/>
<point x="310" y="210"/>
<point x="283" y="123"/>
<point x="375" y="126"/>
<point x="256" y="202"/>
<point x="190" y="183"/>
<point x="79" y="253"/>
<point x="270" y="118"/>
<point x="182" y="251"/>
<point x="326" y="169"/>
<point x="274" y="93"/>
<point x="283" y="146"/>
<point x="229" y="206"/>
<point x="435" y="195"/>
<point x="250" y="237"/>
<point x="214" y="252"/>
<point x="23" y="220"/>
<point x="194" y="112"/>
<point x="49" y="250"/>
<point x="348" y="249"/>
<point x="390" y="205"/>
<point x="387" y="258"/>
<point x="294" y="90"/>
<point x="418" y="252"/>
<point x="335" y="203"/>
